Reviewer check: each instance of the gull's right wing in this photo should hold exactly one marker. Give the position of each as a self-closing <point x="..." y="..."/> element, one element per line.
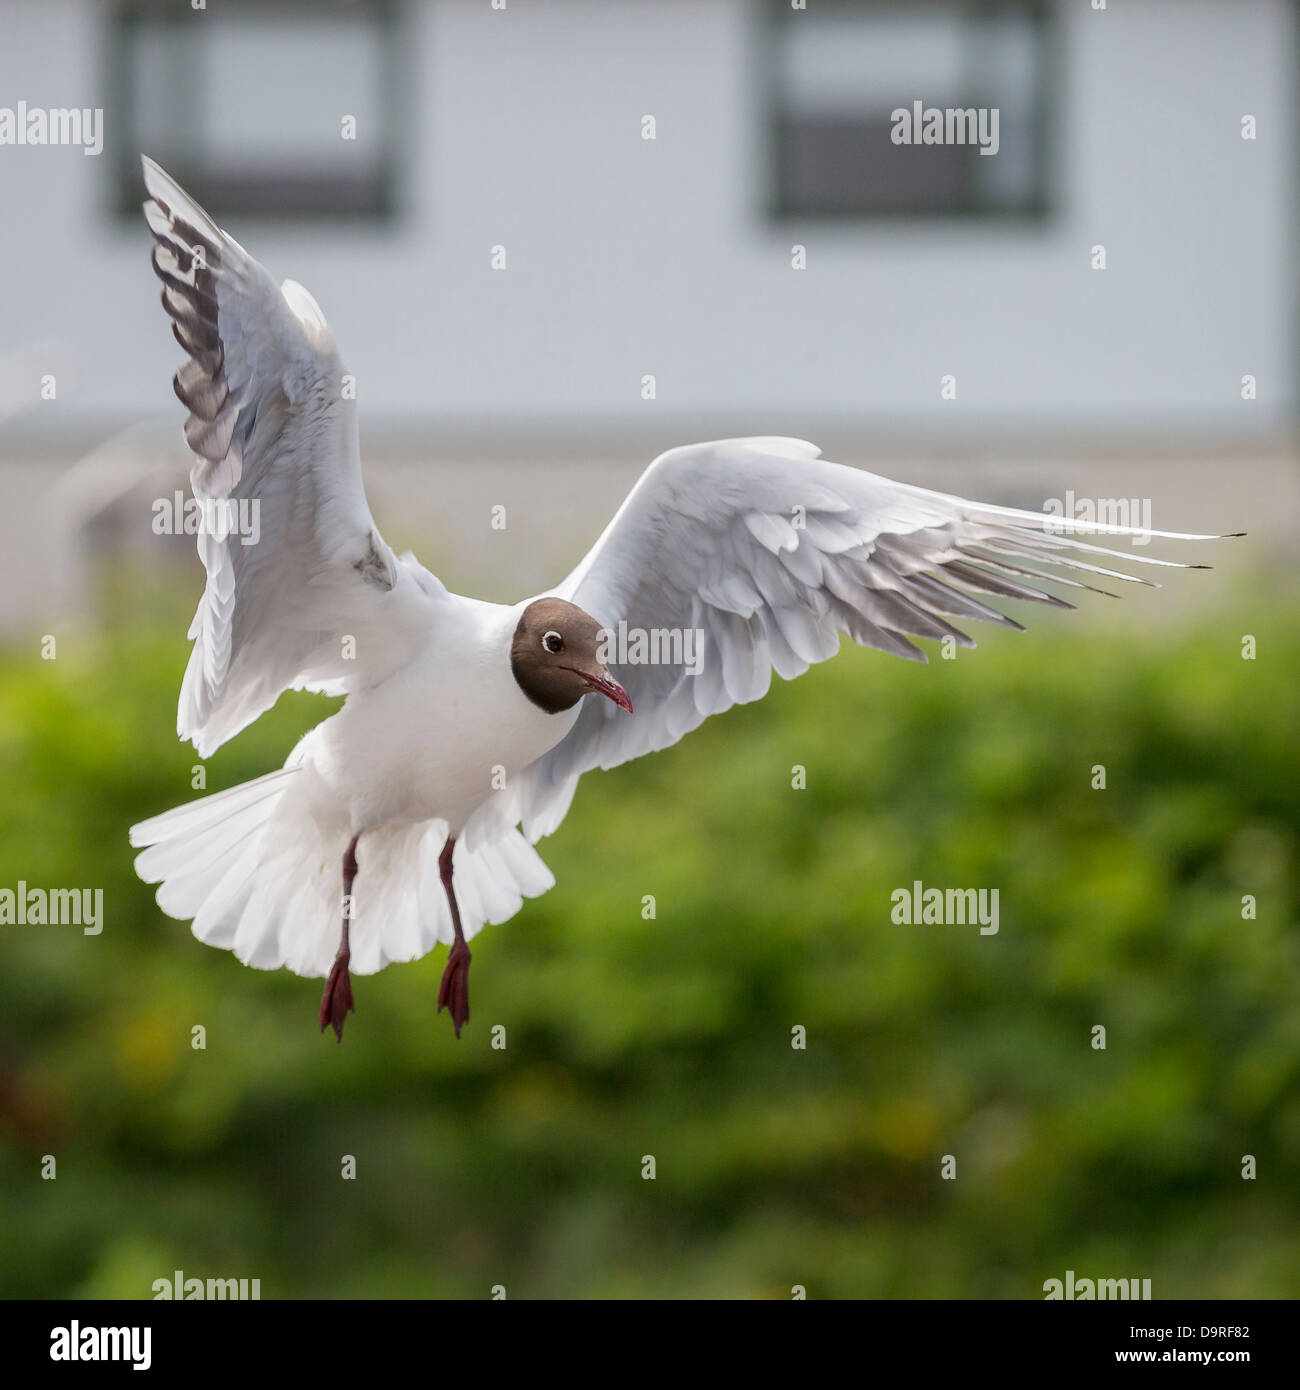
<point x="276" y="447"/>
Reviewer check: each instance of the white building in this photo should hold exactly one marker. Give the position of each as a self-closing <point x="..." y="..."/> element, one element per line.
<point x="515" y="270"/>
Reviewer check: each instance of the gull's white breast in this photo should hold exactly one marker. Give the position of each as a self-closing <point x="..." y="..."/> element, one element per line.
<point x="439" y="736"/>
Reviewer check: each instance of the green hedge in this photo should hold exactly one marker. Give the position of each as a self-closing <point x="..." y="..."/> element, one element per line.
<point x="672" y="1037"/>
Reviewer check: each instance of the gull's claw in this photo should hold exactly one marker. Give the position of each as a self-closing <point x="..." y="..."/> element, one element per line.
<point x="336" y="1002"/>
<point x="453" y="992"/>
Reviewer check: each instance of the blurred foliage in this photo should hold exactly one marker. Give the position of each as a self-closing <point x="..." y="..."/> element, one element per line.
<point x="672" y="1037"/>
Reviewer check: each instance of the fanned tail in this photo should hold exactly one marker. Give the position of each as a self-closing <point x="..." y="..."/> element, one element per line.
<point x="259" y="870"/>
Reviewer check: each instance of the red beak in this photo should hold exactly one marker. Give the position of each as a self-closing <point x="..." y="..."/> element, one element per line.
<point x="608" y="686"/>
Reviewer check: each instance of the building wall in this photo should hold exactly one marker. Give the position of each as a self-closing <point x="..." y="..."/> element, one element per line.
<point x="628" y="257"/>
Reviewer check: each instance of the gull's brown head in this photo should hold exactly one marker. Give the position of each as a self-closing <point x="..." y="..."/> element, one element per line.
<point x="555" y="657"/>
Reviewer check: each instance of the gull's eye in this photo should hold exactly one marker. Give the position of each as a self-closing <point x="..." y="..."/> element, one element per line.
<point x="553" y="642"/>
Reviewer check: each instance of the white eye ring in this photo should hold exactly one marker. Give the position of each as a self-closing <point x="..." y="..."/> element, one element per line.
<point x="552" y="641"/>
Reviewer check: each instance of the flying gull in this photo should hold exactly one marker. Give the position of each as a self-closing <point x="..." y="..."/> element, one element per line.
<point x="468" y="724"/>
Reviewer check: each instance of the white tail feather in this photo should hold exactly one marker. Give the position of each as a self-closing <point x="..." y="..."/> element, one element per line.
<point x="260" y="875"/>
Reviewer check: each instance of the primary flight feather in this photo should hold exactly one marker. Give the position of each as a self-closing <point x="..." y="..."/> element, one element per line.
<point x="468" y="724"/>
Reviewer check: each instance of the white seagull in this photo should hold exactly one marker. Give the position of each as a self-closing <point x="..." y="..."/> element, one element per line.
<point x="467" y="724"/>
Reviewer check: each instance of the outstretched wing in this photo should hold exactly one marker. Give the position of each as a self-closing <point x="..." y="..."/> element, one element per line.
<point x="768" y="553"/>
<point x="294" y="562"/>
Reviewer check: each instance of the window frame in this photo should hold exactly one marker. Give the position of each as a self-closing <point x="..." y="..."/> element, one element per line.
<point x="322" y="200"/>
<point x="1045" y="104"/>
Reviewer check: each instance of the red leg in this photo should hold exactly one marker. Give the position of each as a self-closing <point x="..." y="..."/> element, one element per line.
<point x="453" y="992"/>
<point x="336" y="1003"/>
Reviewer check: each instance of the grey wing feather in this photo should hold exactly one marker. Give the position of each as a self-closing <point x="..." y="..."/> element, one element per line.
<point x="772" y="553"/>
<point x="271" y="426"/>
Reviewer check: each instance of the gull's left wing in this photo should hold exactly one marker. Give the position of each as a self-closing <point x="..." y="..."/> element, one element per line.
<point x="769" y="553"/>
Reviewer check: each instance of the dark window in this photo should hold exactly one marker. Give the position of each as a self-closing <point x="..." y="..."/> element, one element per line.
<point x="843" y="72"/>
<point x="246" y="105"/>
